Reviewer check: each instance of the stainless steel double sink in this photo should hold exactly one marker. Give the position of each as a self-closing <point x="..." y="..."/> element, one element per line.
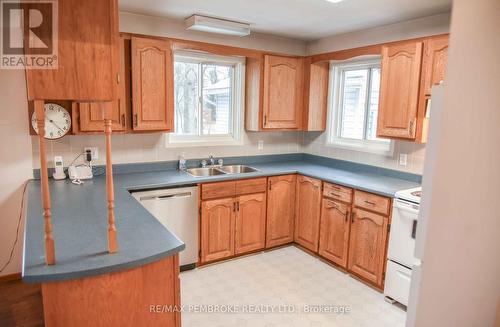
<point x="222" y="170"/>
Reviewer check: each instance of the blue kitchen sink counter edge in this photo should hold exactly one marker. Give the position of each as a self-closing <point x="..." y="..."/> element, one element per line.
<point x="79" y="212"/>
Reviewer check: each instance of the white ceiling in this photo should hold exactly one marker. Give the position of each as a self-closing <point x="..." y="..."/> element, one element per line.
<point x="298" y="19"/>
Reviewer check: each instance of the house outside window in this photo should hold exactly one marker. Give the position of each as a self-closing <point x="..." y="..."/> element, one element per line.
<point x="353" y="106"/>
<point x="208" y="100"/>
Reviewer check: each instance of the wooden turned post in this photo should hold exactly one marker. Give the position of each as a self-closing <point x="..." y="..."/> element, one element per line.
<point x="50" y="257"/>
<point x="112" y="241"/>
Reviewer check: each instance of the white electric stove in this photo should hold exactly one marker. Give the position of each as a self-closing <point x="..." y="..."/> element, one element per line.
<point x="400" y="254"/>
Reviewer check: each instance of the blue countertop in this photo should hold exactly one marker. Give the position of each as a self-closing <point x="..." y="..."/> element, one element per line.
<point x="79" y="214"/>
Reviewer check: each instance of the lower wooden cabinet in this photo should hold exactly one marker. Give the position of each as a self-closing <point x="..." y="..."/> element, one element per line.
<point x="308" y="209"/>
<point x="334" y="231"/>
<point x="217" y="229"/>
<point x="280" y="210"/>
<point x="367" y="245"/>
<point x="250" y="223"/>
<point x="233" y="218"/>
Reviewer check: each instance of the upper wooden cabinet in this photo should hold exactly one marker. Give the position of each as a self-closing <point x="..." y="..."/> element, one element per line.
<point x="282" y="101"/>
<point x="308" y="207"/>
<point x="89" y="116"/>
<point x="274" y="89"/>
<point x="280" y="210"/>
<point x="399" y="90"/>
<point x="152" y="85"/>
<point x="433" y="73"/>
<point x="87" y="47"/>
<point x="315" y="104"/>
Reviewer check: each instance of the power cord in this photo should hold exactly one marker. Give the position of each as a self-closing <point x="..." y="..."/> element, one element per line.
<point x="17" y="229"/>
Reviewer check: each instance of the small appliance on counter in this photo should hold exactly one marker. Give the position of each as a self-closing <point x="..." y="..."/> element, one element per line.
<point x="58" y="168"/>
<point x="400" y="254"/>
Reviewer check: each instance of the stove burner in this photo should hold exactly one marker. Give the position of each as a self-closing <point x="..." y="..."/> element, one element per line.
<point x="417" y="193"/>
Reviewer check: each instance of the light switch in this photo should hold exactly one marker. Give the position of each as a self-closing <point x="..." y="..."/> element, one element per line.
<point x="260" y="145"/>
<point x="403" y="159"/>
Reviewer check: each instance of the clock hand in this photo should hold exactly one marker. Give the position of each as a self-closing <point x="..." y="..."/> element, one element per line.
<point x="53" y="122"/>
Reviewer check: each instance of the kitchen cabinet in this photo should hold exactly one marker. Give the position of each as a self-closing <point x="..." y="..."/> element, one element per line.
<point x="434" y="65"/>
<point x="280" y="210"/>
<point x="233" y="218"/>
<point x="399" y="90"/>
<point x="152" y="84"/>
<point x="250" y="223"/>
<point x="334" y="231"/>
<point x="367" y="245"/>
<point x="274" y="93"/>
<point x="89" y="116"/>
<point x="87" y="47"/>
<point x="217" y="228"/>
<point x="308" y="209"/>
<point x="315" y="105"/>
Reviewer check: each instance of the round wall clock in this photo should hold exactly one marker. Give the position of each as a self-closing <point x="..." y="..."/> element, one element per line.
<point x="57" y="121"/>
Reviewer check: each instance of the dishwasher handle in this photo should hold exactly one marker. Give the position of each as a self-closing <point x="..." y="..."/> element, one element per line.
<point x="166" y="197"/>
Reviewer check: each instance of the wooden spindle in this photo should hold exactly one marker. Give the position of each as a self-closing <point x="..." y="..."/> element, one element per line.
<point x="112" y="241"/>
<point x="50" y="257"/>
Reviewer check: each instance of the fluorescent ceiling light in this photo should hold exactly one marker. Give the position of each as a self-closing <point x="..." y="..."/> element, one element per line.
<point x="215" y="25"/>
<point x="334" y="1"/>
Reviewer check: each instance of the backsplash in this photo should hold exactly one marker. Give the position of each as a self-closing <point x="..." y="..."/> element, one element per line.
<point x="315" y="143"/>
<point x="136" y="148"/>
<point x="131" y="148"/>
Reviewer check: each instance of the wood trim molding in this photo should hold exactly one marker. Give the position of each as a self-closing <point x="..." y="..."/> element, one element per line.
<point x="10" y="277"/>
<point x="374" y="49"/>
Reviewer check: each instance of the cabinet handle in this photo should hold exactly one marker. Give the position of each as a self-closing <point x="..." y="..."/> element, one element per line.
<point x="412" y="123"/>
<point x="352" y="216"/>
<point x="346" y="215"/>
<point x="334" y="194"/>
<point x="123" y="120"/>
<point x="135" y="119"/>
<point x="335" y="187"/>
<point x="238" y="206"/>
<point x="370" y="203"/>
<point x="269" y="185"/>
<point x="265" y="120"/>
<point x="234" y="206"/>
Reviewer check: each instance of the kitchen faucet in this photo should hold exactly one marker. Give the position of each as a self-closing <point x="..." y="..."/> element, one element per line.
<point x="211" y="162"/>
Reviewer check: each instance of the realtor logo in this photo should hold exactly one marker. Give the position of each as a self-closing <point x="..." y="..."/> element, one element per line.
<point x="29" y="34"/>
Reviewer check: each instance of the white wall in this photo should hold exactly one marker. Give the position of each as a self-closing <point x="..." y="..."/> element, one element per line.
<point x="461" y="267"/>
<point x="15" y="154"/>
<point x="432" y="25"/>
<point x="159" y="26"/>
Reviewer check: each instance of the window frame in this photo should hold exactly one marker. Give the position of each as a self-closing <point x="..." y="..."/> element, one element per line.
<point x="237" y="102"/>
<point x="335" y="98"/>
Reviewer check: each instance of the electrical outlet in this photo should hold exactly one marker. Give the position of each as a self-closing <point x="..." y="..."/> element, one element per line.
<point x="94" y="152"/>
<point x="403" y="159"/>
<point x="260" y="145"/>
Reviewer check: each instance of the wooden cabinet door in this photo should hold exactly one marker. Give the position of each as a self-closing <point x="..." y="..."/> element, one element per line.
<point x="91" y="116"/>
<point x="367" y="245"/>
<point x="217" y="229"/>
<point x="334" y="231"/>
<point x="399" y="90"/>
<point x="434" y="62"/>
<point x="282" y="100"/>
<point x="307" y="215"/>
<point x="152" y="85"/>
<point x="280" y="210"/>
<point x="250" y="223"/>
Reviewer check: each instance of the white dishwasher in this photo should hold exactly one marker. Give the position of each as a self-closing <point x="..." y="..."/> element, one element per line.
<point x="176" y="209"/>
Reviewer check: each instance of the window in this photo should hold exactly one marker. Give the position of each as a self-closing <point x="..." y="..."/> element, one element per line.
<point x="354" y="94"/>
<point x="208" y="99"/>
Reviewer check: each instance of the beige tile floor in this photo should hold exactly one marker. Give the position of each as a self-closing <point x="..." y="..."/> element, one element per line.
<point x="288" y="277"/>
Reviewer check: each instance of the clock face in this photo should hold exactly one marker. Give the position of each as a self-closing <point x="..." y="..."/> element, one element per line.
<point x="57" y="121"/>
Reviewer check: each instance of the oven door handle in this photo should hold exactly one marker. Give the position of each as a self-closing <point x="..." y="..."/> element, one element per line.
<point x="398" y="204"/>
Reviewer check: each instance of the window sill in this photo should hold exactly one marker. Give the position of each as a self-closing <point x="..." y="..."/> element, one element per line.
<point x="180" y="142"/>
<point x="367" y="147"/>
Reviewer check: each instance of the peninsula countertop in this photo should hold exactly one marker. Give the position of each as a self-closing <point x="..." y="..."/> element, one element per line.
<point x="79" y="215"/>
